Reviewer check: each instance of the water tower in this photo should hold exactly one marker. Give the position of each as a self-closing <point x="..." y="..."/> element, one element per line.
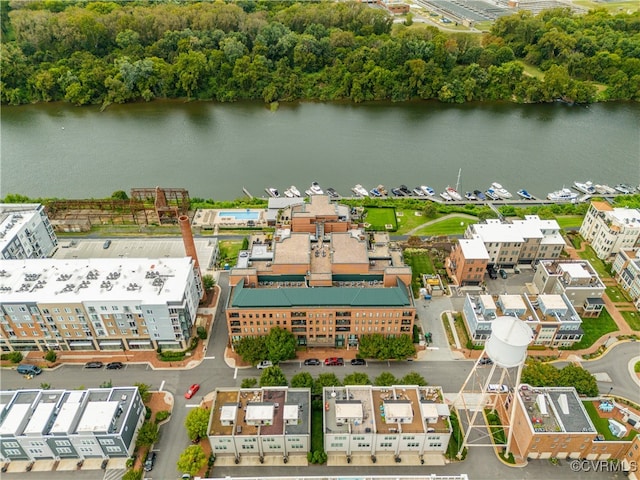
<point x="493" y="380"/>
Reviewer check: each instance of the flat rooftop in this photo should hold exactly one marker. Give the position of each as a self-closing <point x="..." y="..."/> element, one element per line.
<point x="13" y="217"/>
<point x="552" y="410"/>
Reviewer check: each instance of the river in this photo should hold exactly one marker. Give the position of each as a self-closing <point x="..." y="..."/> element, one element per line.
<point x="213" y="150"/>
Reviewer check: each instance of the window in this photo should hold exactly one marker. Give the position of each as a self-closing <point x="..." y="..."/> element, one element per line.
<point x="64" y="450"/>
<point x="113" y="449"/>
<point x="13" y="451"/>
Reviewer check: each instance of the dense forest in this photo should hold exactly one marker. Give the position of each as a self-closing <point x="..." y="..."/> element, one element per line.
<point x="115" y="52"/>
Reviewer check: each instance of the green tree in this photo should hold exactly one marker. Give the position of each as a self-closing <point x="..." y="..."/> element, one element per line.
<point x="538" y="374"/>
<point x="385" y="379"/>
<point x="197" y="422"/>
<point x="51" y="356"/>
<point x="245" y="243"/>
<point x="281" y="345"/>
<point x="583" y="381"/>
<point x="302" y="380"/>
<point x="357" y="378"/>
<point x="248" y="382"/>
<point x="148" y="434"/>
<point x="413" y="378"/>
<point x="273" y="377"/>
<point x="143" y="388"/>
<point x="192" y="460"/>
<point x="208" y="282"/>
<point x="325" y="380"/>
<point x="252" y="349"/>
<point x="120" y="195"/>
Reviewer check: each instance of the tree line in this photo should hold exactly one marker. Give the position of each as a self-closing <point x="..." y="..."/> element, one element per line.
<point x="106" y="52"/>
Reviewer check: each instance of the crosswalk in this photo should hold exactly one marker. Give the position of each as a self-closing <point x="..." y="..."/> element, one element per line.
<point x="114" y="474"/>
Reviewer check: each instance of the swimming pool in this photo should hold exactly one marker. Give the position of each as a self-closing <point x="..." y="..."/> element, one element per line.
<point x="248" y="215"/>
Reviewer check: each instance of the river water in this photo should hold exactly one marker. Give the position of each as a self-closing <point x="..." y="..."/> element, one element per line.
<point x="213" y="150"/>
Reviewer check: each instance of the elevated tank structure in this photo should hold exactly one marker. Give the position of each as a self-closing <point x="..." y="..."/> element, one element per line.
<point x="493" y="379"/>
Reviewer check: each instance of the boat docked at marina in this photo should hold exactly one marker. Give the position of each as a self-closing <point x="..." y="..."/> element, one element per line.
<point x="586" y="187"/>
<point x="491" y="193"/>
<point x="604" y="189"/>
<point x="500" y="191"/>
<point x="479" y="195"/>
<point x="272" y="192"/>
<point x="453" y="193"/>
<point x="428" y="190"/>
<point x="445" y="196"/>
<point x="470" y="196"/>
<point x="522" y="193"/>
<point x="563" y="195"/>
<point x="418" y="192"/>
<point x="288" y="193"/>
<point x="624" y="188"/>
<point x="332" y="193"/>
<point x="360" y="191"/>
<point x="314" y="189"/>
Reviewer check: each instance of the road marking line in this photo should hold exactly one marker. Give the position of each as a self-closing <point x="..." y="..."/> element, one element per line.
<point x="192" y="406"/>
<point x="235" y="373"/>
<point x="161" y="385"/>
<point x="209" y="358"/>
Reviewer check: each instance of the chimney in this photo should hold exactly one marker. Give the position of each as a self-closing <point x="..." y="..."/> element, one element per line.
<point x="187" y="239"/>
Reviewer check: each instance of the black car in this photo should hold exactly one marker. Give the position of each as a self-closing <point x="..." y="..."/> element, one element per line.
<point x="106" y="244"/>
<point x="485" y="361"/>
<point x="493" y="274"/>
<point x="358" y="361"/>
<point x="93" y="365"/>
<point x="148" y="463"/>
<point x="114" y="366"/>
<point x="312" y="361"/>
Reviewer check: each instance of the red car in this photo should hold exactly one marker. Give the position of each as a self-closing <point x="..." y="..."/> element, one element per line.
<point x="334" y="361"/>
<point x="192" y="390"/>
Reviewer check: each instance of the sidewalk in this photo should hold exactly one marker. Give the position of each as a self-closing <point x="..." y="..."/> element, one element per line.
<point x="206" y="316"/>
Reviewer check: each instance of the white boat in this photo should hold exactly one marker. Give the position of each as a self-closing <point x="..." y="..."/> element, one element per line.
<point x="623" y="188"/>
<point x="360" y="191"/>
<point x="524" y="194"/>
<point x="491" y="193"/>
<point x="470" y="196"/>
<point x="563" y="195"/>
<point x="418" y="191"/>
<point x="288" y="193"/>
<point x="446" y="196"/>
<point x="294" y="191"/>
<point x="586" y="187"/>
<point x="314" y="189"/>
<point x="428" y="190"/>
<point x="604" y="189"/>
<point x="500" y="191"/>
<point x="273" y="192"/>
<point x="453" y="193"/>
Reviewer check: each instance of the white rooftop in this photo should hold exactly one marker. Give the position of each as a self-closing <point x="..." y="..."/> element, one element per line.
<point x="552" y="302"/>
<point x="14" y="418"/>
<point x="487" y="302"/>
<point x="290" y="412"/>
<point x="398" y="410"/>
<point x="13" y="217"/>
<point x="39" y="418"/>
<point x="67" y="414"/>
<point x="259" y="412"/>
<point x="228" y="413"/>
<point x="97" y="416"/>
<point x="512" y="302"/>
<point x="576" y="270"/>
<point x="349" y="410"/>
<point x="629" y="217"/>
<point x="429" y="410"/>
<point x="499" y="232"/>
<point x="473" y="248"/>
<point x="98" y="279"/>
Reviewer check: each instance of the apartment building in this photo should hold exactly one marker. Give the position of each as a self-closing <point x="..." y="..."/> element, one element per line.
<point x="467" y="263"/>
<point x="261" y="423"/>
<point x="552" y="319"/>
<point x="56" y="424"/>
<point x="576" y="279"/>
<point x="97" y="304"/>
<point x="323" y="279"/>
<point x="25" y="231"/>
<point x="397" y="421"/>
<point x="626" y="269"/>
<point x="610" y="230"/>
<point x="554" y="423"/>
<point x="518" y="242"/>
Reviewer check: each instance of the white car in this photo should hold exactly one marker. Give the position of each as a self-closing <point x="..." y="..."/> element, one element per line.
<point x="265" y="364"/>
<point x="494" y="387"/>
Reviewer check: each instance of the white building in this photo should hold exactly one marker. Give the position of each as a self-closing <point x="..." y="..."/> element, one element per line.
<point x="97" y="304"/>
<point x="626" y="268"/>
<point x="25" y="231"/>
<point x="519" y="242"/>
<point x="400" y="421"/>
<point x="261" y="423"/>
<point x="56" y="424"/>
<point x="610" y="229"/>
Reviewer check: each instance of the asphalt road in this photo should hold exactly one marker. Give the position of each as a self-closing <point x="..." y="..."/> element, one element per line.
<point x="213" y="372"/>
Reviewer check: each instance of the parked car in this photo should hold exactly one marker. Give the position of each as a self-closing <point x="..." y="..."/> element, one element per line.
<point x="485" y="361"/>
<point x="334" y="361"/>
<point x="312" y="361"/>
<point x="115" y="365"/>
<point x="148" y="463"/>
<point x="264" y="364"/>
<point x="106" y="244"/>
<point x="493" y="274"/>
<point x="502" y="273"/>
<point x="358" y="361"/>
<point x="93" y="365"/>
<point x="26" y="369"/>
<point x="497" y="388"/>
<point x="192" y="390"/>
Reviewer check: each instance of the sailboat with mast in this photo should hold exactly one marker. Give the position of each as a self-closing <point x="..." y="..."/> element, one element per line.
<point x="453" y="192"/>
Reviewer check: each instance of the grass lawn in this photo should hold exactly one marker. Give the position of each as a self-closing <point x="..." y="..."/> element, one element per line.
<point x="408" y="220"/>
<point x="532" y="71"/>
<point x="380" y="217"/>
<point x="449" y="226"/>
<point x="633" y="319"/>
<point x="611" y="7"/>
<point x="602" y="424"/>
<point x="461" y="328"/>
<point x="229" y="251"/>
<point x="616" y="294"/>
<point x="317" y="438"/>
<point x="447" y="329"/>
<point x="596" y="263"/>
<point x="594" y="328"/>
<point x="420" y="262"/>
<point x="569" y="221"/>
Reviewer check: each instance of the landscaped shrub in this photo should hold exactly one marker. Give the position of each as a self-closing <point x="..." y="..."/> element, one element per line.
<point x="202" y="333"/>
<point x="14" y="357"/>
<point x="162" y="415"/>
<point x="51" y="356"/>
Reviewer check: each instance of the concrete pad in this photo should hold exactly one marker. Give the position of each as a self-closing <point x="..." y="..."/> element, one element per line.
<point x="254" y="461"/>
<point x="117" y="463"/>
<point x="384" y="459"/>
<point x="92" y="464"/>
<point x="67" y="465"/>
<point x="16" y="466"/>
<point x="43" y="466"/>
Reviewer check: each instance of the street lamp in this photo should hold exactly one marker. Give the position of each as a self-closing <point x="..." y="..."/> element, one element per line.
<point x="610" y="390"/>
